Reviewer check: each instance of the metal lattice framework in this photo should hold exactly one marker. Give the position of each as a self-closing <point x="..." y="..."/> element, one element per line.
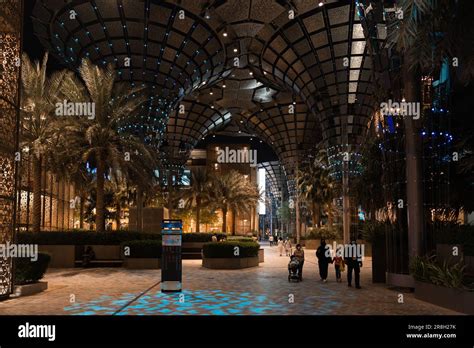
<point x="275" y="179"/>
<point x="10" y="19"/>
<point x="238" y="64"/>
<point x="321" y="56"/>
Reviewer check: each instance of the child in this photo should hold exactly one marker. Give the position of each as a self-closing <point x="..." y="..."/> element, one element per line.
<point x="288" y="250"/>
<point x="339" y="266"/>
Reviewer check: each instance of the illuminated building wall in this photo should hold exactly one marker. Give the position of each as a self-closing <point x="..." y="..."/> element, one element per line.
<point x="10" y="23"/>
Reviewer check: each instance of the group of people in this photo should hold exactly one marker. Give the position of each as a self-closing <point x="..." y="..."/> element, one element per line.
<point x="284" y="246"/>
<point x="353" y="262"/>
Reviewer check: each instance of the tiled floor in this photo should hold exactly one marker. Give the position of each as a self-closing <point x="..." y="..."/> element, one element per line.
<point x="259" y="290"/>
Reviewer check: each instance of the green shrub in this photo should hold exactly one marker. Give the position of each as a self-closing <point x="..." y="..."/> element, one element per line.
<point x="374" y="230"/>
<point x="426" y="269"/>
<point x="240" y="239"/>
<point x="83" y="237"/>
<point x="201" y="237"/>
<point x="143" y="249"/>
<point x="328" y="233"/>
<point x="227" y="249"/>
<point x="28" y="271"/>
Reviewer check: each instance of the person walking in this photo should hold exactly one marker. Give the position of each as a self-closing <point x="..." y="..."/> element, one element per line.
<point x="323" y="254"/>
<point x="288" y="246"/>
<point x="354" y="263"/>
<point x="271" y="239"/>
<point x="280" y="246"/>
<point x="338" y="264"/>
<point x="299" y="254"/>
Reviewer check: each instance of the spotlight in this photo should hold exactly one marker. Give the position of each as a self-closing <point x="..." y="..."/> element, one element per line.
<point x="251" y="73"/>
<point x="223" y="86"/>
<point x="321" y="3"/>
<point x="207" y="15"/>
<point x="224" y="34"/>
<point x="236" y="50"/>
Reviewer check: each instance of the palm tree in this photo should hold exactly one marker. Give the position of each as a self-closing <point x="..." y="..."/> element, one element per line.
<point x="102" y="142"/>
<point x="198" y="193"/>
<point x="39" y="97"/>
<point x="230" y="192"/>
<point x="316" y="188"/>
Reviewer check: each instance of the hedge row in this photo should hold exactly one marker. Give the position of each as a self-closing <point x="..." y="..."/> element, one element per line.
<point x="231" y="249"/>
<point x="83" y="237"/>
<point x="106" y="238"/>
<point x="27" y="271"/>
<point x="142" y="249"/>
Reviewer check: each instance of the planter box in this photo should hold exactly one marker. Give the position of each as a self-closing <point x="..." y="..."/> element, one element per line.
<point x="193" y="245"/>
<point x="230" y="263"/>
<point x="62" y="256"/>
<point x="29" y="289"/>
<point x="455" y="299"/>
<point x="261" y="255"/>
<point x="145" y="263"/>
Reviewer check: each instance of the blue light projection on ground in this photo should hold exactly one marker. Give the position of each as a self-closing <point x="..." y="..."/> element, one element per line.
<point x="208" y="302"/>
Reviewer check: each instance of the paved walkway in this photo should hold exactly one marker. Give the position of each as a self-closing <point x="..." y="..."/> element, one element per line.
<point x="259" y="290"/>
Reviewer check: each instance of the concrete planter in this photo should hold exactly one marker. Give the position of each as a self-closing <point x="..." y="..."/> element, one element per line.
<point x="455" y="299"/>
<point x="107" y="252"/>
<point x="62" y="256"/>
<point x="29" y="289"/>
<point x="145" y="263"/>
<point x="261" y="255"/>
<point x="230" y="263"/>
<point x="193" y="245"/>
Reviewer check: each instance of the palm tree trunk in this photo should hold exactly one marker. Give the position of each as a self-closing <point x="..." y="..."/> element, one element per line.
<point x="224" y="220"/>
<point x="316" y="214"/>
<point x="139" y="209"/>
<point x="100" y="202"/>
<point x="198" y="213"/>
<point x="413" y="150"/>
<point x="36" y="194"/>
<point x="330" y="214"/>
<point x="81" y="211"/>
<point x="233" y="221"/>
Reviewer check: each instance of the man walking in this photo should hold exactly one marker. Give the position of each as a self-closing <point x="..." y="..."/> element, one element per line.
<point x="354" y="263"/>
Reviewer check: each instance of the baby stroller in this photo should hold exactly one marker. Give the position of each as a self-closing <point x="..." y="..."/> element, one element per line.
<point x="293" y="269"/>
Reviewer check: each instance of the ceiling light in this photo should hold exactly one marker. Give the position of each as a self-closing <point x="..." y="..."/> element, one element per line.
<point x="321" y="3"/>
<point x="251" y="73"/>
<point x="236" y="50"/>
<point x="207" y="15"/>
<point x="241" y="121"/>
<point x="212" y="106"/>
<point x="223" y="86"/>
<point x="224" y="34"/>
<point x="240" y="131"/>
<point x="211" y="93"/>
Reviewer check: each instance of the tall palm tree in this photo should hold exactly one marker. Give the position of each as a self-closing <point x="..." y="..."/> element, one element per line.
<point x="316" y="188"/>
<point x="39" y="97"/>
<point x="100" y="138"/>
<point x="198" y="193"/>
<point x="230" y="192"/>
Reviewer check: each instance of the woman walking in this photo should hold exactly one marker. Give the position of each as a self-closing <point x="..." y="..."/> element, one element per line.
<point x="324" y="259"/>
